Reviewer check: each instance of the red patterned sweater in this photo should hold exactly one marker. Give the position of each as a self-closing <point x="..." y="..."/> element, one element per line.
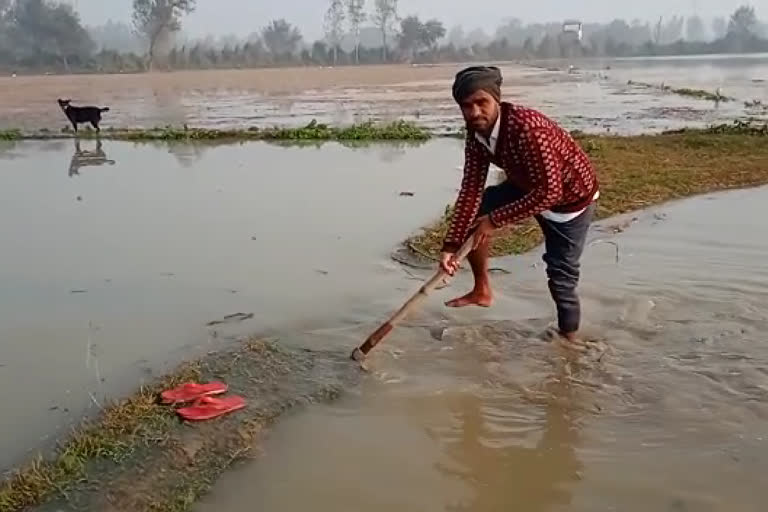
<point x="538" y="157"/>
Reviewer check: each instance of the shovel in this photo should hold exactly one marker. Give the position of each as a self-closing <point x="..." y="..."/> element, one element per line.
<point x="440" y="278"/>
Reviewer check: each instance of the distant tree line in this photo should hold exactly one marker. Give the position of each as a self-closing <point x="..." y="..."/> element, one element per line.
<point x="39" y="34"/>
<point x="44" y="35"/>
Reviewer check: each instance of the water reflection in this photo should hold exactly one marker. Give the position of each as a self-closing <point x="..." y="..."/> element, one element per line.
<point x="15" y="149"/>
<point x="188" y="154"/>
<point x="497" y="456"/>
<point x="7" y="148"/>
<point x="387" y="151"/>
<point x="85" y="158"/>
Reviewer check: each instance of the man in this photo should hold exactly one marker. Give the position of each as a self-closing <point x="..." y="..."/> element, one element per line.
<point x="548" y="176"/>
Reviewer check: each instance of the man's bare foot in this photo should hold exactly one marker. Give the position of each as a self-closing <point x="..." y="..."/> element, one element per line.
<point x="473" y="298"/>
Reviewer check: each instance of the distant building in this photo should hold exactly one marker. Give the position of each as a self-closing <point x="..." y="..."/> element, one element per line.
<point x="570" y="39"/>
<point x="574" y="29"/>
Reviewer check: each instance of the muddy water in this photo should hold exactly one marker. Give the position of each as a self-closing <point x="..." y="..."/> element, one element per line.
<point x="595" y="97"/>
<point x="115" y="258"/>
<point x="474" y="410"/>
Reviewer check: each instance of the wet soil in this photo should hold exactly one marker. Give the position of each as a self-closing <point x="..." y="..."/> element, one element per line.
<point x="595" y="97"/>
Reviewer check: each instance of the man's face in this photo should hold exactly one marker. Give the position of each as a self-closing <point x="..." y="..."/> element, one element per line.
<point x="480" y="111"/>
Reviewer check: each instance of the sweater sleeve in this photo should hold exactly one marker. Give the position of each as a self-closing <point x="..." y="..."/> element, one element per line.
<point x="476" y="165"/>
<point x="544" y="165"/>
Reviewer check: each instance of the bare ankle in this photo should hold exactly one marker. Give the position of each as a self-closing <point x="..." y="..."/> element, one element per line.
<point x="482" y="287"/>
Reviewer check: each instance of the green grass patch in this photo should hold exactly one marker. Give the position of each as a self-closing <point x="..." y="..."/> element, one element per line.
<point x="368" y="131"/>
<point x="10" y="134"/>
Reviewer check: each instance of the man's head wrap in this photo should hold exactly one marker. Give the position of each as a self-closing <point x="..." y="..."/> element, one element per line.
<point x="474" y="78"/>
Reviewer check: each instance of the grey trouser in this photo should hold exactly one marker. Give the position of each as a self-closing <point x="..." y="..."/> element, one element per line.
<point x="563" y="243"/>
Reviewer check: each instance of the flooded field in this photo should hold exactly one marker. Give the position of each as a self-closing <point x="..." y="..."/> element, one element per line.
<point x="121" y="259"/>
<point x="111" y="273"/>
<point x="595" y="97"/>
<point x="474" y="411"/>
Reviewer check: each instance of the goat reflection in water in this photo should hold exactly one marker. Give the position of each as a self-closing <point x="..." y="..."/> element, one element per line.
<point x="86" y="158"/>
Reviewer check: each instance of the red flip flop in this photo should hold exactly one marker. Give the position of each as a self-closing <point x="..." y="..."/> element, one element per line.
<point x="207" y="408"/>
<point x="191" y="391"/>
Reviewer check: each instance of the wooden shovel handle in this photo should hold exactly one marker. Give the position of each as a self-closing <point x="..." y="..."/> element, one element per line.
<point x="441" y="276"/>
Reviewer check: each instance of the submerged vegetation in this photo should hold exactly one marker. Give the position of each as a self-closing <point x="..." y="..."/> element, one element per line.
<point x="640" y="171"/>
<point x="716" y="96"/>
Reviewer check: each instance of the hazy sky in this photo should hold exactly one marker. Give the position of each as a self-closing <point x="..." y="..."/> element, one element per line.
<point x="242" y="17"/>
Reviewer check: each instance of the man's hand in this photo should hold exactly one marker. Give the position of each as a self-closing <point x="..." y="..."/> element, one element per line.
<point x="484" y="230"/>
<point x="448" y="263"/>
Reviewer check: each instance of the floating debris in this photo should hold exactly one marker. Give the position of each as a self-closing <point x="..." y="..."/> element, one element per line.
<point x="611" y="242"/>
<point x="236" y="317"/>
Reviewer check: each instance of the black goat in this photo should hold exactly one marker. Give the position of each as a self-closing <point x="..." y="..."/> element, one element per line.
<point x="82" y="114"/>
